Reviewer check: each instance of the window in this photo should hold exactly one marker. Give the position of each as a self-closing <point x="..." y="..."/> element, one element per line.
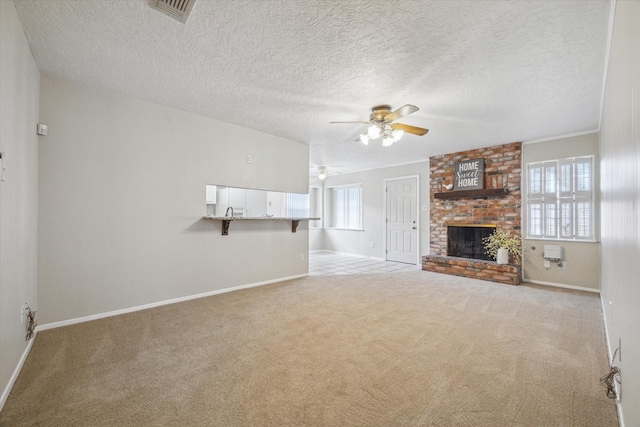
<point x="344" y="207"/>
<point x="296" y="205"/>
<point x="315" y="207"/>
<point x="560" y="199"/>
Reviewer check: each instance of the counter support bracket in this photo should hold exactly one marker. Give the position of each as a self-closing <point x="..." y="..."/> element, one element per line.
<point x="225" y="226"/>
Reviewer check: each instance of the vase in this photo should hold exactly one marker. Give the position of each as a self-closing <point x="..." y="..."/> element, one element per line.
<point x="503" y="256"/>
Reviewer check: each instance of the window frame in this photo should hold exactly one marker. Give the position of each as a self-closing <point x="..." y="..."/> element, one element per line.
<point x="329" y="201"/>
<point x="316" y="206"/>
<point x="559" y="198"/>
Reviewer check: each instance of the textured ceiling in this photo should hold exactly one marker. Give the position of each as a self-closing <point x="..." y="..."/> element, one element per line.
<point x="481" y="72"/>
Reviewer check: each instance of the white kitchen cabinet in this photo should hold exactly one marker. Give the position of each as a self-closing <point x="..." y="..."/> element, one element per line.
<point x="211" y="194"/>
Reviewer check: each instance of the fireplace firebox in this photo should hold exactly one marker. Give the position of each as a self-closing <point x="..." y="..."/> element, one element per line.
<point x="465" y="240"/>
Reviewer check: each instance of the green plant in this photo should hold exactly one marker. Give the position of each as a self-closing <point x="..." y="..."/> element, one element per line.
<point x="503" y="239"/>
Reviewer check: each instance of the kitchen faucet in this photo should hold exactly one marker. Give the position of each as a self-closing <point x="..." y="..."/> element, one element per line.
<point x="227" y="212"/>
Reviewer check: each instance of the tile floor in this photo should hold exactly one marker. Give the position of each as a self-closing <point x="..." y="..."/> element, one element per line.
<point x="325" y="263"/>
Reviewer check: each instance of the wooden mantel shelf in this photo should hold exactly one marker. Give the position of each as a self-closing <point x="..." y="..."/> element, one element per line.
<point x="472" y="193"/>
<point x="226" y="221"/>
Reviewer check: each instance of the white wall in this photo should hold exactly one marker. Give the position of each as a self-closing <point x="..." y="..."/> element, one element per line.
<point x="19" y="82"/>
<point x="359" y="242"/>
<point x="620" y="183"/>
<point x="582" y="258"/>
<point x="122" y="195"/>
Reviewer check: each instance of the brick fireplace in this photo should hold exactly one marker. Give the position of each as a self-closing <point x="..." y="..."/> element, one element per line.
<point x="497" y="204"/>
<point x="465" y="240"/>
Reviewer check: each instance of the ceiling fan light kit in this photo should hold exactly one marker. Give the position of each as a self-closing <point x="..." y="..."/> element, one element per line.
<point x="380" y="121"/>
<point x="322" y="172"/>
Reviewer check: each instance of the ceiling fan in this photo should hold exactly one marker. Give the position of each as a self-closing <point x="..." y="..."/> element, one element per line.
<point x="381" y="120"/>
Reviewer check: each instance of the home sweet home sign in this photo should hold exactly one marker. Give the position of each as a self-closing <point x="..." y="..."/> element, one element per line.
<point x="469" y="175"/>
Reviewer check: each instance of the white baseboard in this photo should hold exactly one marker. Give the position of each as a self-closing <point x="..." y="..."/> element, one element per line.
<point x="350" y="254"/>
<point x="561" y="285"/>
<point x="160" y="303"/>
<point x="610" y="353"/>
<point x="16" y="372"/>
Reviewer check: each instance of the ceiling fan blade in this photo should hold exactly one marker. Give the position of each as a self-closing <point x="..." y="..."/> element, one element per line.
<point x="410" y="129"/>
<point x="361" y="122"/>
<point x="405" y="110"/>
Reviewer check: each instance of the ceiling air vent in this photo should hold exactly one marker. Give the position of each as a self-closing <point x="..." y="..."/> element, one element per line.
<point x="177" y="9"/>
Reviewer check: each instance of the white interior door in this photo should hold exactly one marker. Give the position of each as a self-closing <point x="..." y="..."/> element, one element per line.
<point x="401" y="221"/>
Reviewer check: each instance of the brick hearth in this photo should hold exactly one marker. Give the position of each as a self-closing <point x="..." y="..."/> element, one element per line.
<point x="474" y="268"/>
<point x="502" y="170"/>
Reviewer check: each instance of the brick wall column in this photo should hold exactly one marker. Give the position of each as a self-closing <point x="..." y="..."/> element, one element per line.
<point x="502" y="170"/>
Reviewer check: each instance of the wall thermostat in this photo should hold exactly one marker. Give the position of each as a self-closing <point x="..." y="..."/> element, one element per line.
<point x="42" y="129"/>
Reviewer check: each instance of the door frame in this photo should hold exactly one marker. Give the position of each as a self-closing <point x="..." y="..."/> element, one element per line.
<point x="384" y="214"/>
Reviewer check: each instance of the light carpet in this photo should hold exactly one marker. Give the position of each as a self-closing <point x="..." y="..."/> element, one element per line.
<point x="415" y="348"/>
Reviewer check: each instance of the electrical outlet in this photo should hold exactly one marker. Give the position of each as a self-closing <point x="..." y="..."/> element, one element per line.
<point x="249" y="158"/>
<point x="562" y="265"/>
<point x="301" y="257"/>
<point x="373" y="244"/>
